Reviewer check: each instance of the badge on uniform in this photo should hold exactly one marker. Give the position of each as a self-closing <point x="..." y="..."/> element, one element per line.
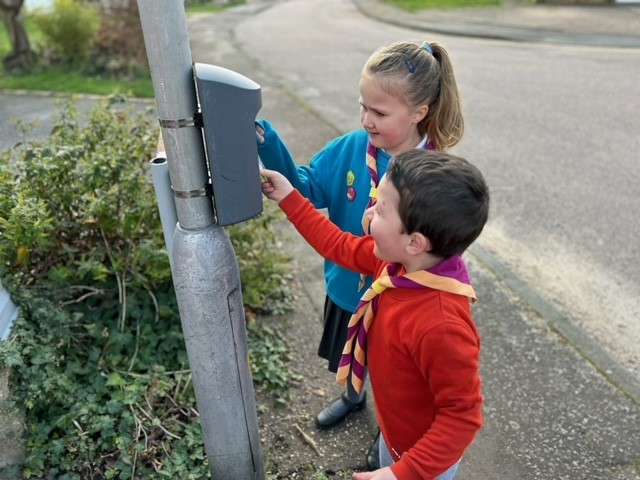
<point x="351" y="192"/>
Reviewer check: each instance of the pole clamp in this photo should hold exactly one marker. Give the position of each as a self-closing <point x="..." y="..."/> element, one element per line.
<point x="207" y="191"/>
<point x="195" y="121"/>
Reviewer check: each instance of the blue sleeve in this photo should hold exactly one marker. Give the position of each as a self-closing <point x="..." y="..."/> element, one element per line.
<point x="275" y="155"/>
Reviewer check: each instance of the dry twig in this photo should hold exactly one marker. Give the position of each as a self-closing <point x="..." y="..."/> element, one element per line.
<point x="309" y="441"/>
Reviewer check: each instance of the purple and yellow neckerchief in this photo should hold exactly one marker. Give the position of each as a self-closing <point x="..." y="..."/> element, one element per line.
<point x="372" y="167"/>
<point x="450" y="275"/>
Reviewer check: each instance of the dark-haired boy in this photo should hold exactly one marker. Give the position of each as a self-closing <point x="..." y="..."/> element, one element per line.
<point x="413" y="328"/>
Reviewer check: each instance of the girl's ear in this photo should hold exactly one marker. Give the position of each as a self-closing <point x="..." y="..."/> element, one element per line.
<point x="420" y="113"/>
<point x="418" y="244"/>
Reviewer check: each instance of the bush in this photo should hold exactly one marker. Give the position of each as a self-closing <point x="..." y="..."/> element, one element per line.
<point x="70" y="29"/>
<point x="97" y="355"/>
<point x="118" y="49"/>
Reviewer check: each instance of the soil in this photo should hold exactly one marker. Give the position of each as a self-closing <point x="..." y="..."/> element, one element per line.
<point x="293" y="447"/>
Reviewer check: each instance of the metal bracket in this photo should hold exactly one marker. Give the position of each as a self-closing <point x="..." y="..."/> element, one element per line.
<point x="207" y="191"/>
<point x="195" y="121"/>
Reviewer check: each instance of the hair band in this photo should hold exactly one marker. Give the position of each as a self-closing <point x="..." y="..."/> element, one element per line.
<point x="427" y="48"/>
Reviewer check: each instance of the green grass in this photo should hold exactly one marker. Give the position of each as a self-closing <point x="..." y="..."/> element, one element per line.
<point x="413" y="5"/>
<point x="57" y="80"/>
<point x="207" y="8"/>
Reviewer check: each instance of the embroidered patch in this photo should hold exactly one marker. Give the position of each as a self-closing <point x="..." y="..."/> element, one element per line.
<point x="351" y="178"/>
<point x="351" y="194"/>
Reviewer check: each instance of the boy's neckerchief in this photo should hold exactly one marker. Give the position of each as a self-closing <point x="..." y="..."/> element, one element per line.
<point x="371" y="160"/>
<point x="450" y="275"/>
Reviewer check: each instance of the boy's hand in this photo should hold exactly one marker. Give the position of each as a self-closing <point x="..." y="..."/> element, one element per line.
<point x="275" y="186"/>
<point x="380" y="474"/>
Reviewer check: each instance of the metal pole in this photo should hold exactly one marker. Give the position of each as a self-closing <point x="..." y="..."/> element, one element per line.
<point x="166" y="204"/>
<point x="204" y="266"/>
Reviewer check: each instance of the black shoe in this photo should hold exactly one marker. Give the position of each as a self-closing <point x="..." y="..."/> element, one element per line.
<point x="373" y="455"/>
<point x="338" y="410"/>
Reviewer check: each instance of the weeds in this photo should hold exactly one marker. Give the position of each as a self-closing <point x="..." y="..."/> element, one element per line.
<point x="98" y="360"/>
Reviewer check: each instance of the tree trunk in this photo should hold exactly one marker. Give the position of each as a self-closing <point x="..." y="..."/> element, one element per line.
<point x="21" y="54"/>
<point x="120" y="37"/>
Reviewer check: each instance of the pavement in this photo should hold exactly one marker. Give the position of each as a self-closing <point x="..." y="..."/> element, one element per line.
<point x="551" y="412"/>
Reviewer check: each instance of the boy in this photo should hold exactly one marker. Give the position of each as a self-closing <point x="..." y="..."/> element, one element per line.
<point x="413" y="328"/>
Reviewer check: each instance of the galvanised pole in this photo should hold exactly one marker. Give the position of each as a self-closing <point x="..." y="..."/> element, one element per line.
<point x="205" y="269"/>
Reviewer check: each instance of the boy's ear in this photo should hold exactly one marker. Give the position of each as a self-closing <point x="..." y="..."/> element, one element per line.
<point x="418" y="244"/>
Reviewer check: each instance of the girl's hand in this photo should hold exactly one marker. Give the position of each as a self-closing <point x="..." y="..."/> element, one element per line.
<point x="381" y="474"/>
<point x="260" y="134"/>
<point x="274" y="185"/>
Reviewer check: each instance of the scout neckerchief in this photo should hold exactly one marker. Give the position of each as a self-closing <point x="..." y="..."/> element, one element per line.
<point x="372" y="166"/>
<point x="450" y="275"/>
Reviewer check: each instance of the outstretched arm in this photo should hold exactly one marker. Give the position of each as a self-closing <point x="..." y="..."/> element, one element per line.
<point x="350" y="251"/>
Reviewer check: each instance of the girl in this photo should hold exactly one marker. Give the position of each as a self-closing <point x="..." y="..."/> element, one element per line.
<point x="408" y="99"/>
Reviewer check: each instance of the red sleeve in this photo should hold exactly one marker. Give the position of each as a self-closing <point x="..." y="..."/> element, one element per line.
<point x="448" y="358"/>
<point x="350" y="251"/>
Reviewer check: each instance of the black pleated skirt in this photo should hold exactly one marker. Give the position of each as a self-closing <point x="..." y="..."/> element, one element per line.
<point x="334" y="335"/>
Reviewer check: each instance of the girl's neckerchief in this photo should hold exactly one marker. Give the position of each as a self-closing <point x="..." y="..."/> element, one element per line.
<point x="371" y="160"/>
<point x="450" y="275"/>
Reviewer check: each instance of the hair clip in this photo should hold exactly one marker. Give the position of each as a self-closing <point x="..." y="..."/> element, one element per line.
<point x="410" y="65"/>
<point x="427" y="48"/>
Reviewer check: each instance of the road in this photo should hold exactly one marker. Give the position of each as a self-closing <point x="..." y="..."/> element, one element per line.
<point x="555" y="130"/>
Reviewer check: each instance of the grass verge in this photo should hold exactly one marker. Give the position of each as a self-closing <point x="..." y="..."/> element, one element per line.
<point x="413" y="5"/>
<point x="58" y="80"/>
